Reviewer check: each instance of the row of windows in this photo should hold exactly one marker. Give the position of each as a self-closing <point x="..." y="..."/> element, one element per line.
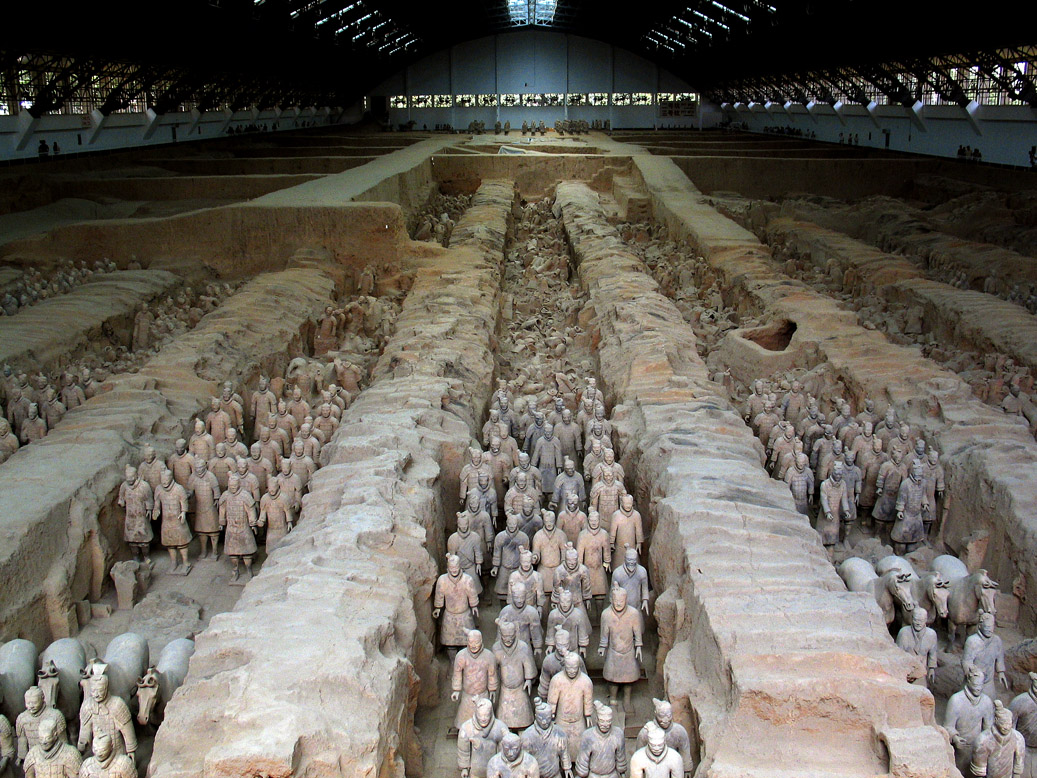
<point x="543" y="100"/>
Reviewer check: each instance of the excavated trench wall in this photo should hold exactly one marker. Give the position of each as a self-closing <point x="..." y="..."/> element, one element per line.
<point x="534" y="174"/>
<point x="958" y="317"/>
<point x="988" y="456"/>
<point x="320" y="666"/>
<point x="764" y="640"/>
<point x="359" y="217"/>
<point x="48" y="335"/>
<point x="59" y="527"/>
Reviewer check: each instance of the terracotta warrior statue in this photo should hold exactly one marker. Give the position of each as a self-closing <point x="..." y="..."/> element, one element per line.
<point x="800" y="479"/>
<point x="506" y="547"/>
<point x="608" y="462"/>
<point x="517" y="671"/>
<point x="276" y="514"/>
<point x="919" y="639"/>
<point x="238" y="519"/>
<point x="571" y="520"/>
<point x="529" y="577"/>
<point x="136" y="497"/>
<point x="835" y="506"/>
<point x="572" y="620"/>
<point x="478" y="740"/>
<point x="574" y="576"/>
<point x="570" y="695"/>
<point x="1024" y="708"/>
<point x="568" y="481"/>
<point x="968" y="713"/>
<point x="531" y="472"/>
<point x="468" y="546"/>
<point x="656" y="759"/>
<point x="602" y="751"/>
<point x="201" y="444"/>
<point x="549" y="543"/>
<point x="526" y="617"/>
<point x="985" y="651"/>
<point x="217" y="422"/>
<point x="620" y="644"/>
<point x="912" y="508"/>
<point x="103" y="712"/>
<point x="605" y="496"/>
<point x="594" y="549"/>
<point x="105" y="763"/>
<point x="626" y="530"/>
<point x="205" y="495"/>
<point x="512" y="761"/>
<point x="51" y="757"/>
<point x="263" y="404"/>
<point x="554" y="661"/>
<point x="27" y="725"/>
<point x="1000" y="751"/>
<point x="474" y="677"/>
<point x="171" y="509"/>
<point x="181" y="462"/>
<point x="547" y="456"/>
<point x="675" y="736"/>
<point x="457" y="601"/>
<point x="545" y="741"/>
<point x="632" y="577"/>
<point x="8" y="441"/>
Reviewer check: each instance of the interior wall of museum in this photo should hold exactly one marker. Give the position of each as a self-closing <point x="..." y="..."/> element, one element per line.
<point x="1002" y="133"/>
<point x="20" y="135"/>
<point x="537" y="62"/>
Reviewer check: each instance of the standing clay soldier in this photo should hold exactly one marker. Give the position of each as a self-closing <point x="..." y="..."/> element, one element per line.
<point x="656" y="759"/>
<point x="298" y="408"/>
<point x="870" y="463"/>
<point x="262" y="405"/>
<point x="301" y="463"/>
<point x="911" y="507"/>
<point x="574" y="576"/>
<point x="52" y="410"/>
<point x="571" y="695"/>
<point x="136" y="497"/>
<point x="181" y="463"/>
<point x="766" y="422"/>
<point x="800" y="479"/>
<point x="105" y="763"/>
<point x="8" y="442"/>
<point x="469" y="477"/>
<point x="626" y="530"/>
<point x="171" y="509"/>
<point x="835" y="506"/>
<point x="205" y="492"/>
<point x="457" y="600"/>
<point x="570" y="436"/>
<point x="27" y="725"/>
<point x="235" y="447"/>
<point x="620" y="644"/>
<point x="500" y="465"/>
<point x="554" y="661"/>
<point x="474" y="678"/>
<point x="602" y="751"/>
<point x="487" y="496"/>
<point x="935" y="485"/>
<point x="238" y="517"/>
<point x="608" y="462"/>
<point x="985" y="651"/>
<point x="201" y="444"/>
<point x="887" y="489"/>
<point x="565" y="616"/>
<point x="72" y="394"/>
<point x="1000" y="750"/>
<point x="151" y="467"/>
<point x="480" y="520"/>
<point x="276" y="514"/>
<point x="919" y="639"/>
<point x="545" y="742"/>
<point x="478" y="739"/>
<point x="571" y="520"/>
<point x="794" y="405"/>
<point x="594" y="457"/>
<point x="569" y="481"/>
<point x="104" y="712"/>
<point x="968" y="713"/>
<point x="1024" y="708"/>
<point x="675" y="736"/>
<point x="594" y="552"/>
<point x="526" y="618"/>
<point x="530" y="578"/>
<point x="142" y="328"/>
<point x="8" y="753"/>
<point x="17" y="410"/>
<point x="512" y="761"/>
<point x="291" y="485"/>
<point x="279" y="436"/>
<point x="605" y="497"/>
<point x="326" y="422"/>
<point x="259" y="466"/>
<point x="468" y="547"/>
<point x="549" y="544"/>
<point x="222" y="465"/>
<point x="33" y="428"/>
<point x="506" y="547"/>
<point x="521" y="488"/>
<point x="217" y="422"/>
<point x="51" y="757"/>
<point x="632" y="577"/>
<point x="852" y="478"/>
<point x="547" y="456"/>
<point x="532" y="473"/>
<point x="517" y="673"/>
